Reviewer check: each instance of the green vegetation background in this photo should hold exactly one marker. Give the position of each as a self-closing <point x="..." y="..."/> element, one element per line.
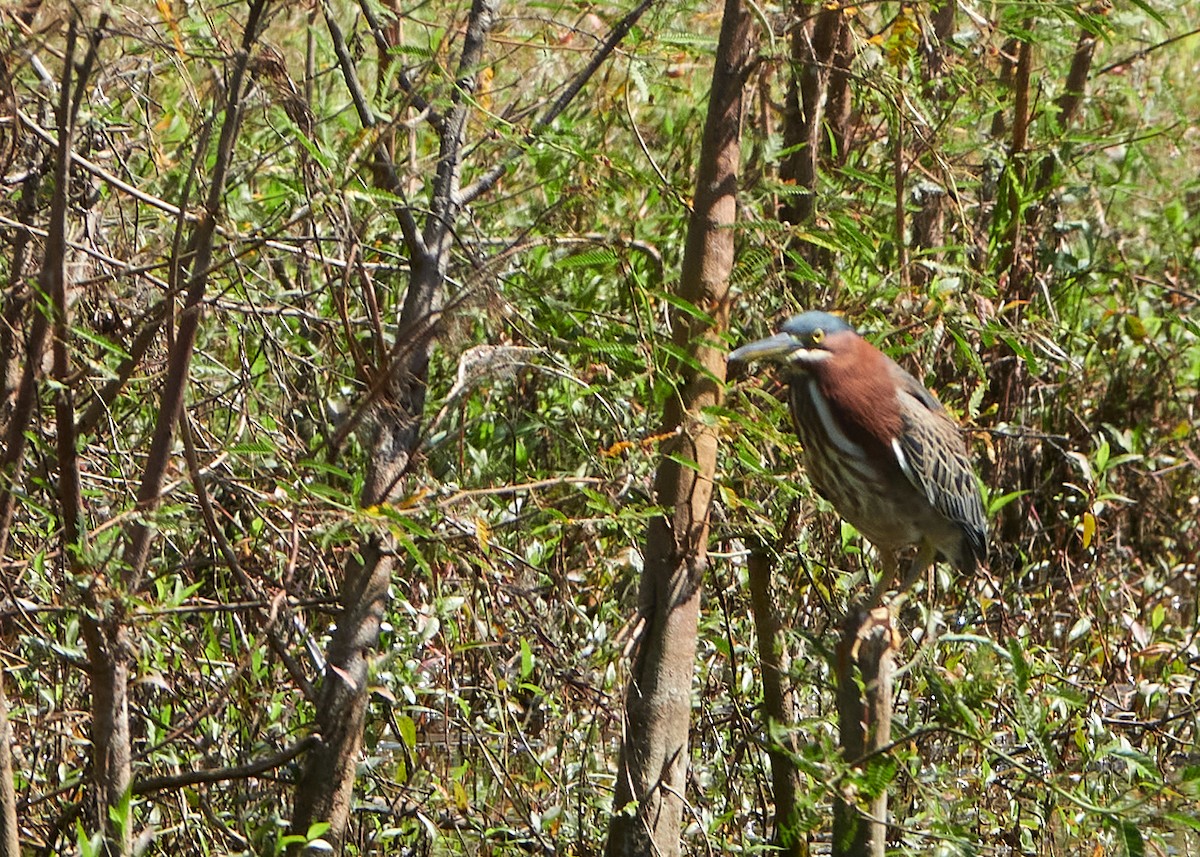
<point x="1052" y="710"/>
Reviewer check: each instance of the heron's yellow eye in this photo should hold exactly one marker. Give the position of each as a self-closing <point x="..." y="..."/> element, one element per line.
<point x="817" y="336"/>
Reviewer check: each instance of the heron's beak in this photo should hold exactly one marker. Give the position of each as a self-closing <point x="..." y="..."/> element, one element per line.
<point x="780" y="348"/>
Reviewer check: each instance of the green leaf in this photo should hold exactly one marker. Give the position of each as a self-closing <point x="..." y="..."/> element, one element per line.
<point x="1020" y="666"/>
<point x="407" y="727"/>
<point x="879" y="774"/>
<point x="416" y="554"/>
<point x="316" y="830"/>
<point x="1151" y="11"/>
<point x="1130" y="838"/>
<point x="102" y="342"/>
<point x="526" y="658"/>
<point x="601" y="257"/>
<point x="1081" y="628"/>
<point x="253" y="447"/>
<point x="1192" y="822"/>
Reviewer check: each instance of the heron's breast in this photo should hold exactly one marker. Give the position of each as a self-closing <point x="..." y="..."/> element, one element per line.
<point x="868" y="490"/>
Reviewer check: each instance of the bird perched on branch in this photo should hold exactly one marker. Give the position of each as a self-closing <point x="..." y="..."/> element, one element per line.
<point x="878" y="446"/>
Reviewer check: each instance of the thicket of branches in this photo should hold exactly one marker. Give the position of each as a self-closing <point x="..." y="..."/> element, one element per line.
<point x="335" y="341"/>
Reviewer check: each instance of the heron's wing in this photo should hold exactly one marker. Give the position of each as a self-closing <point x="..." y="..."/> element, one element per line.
<point x="933" y="457"/>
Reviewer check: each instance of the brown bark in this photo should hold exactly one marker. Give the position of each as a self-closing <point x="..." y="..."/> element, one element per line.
<point x="816" y="105"/>
<point x="935" y="36"/>
<point x="876" y="660"/>
<point x="899" y="182"/>
<point x="1067" y="104"/>
<point x="12" y="462"/>
<point x="109" y="657"/>
<point x="928" y="230"/>
<point x="866" y="650"/>
<point x="648" y="805"/>
<point x="850" y="835"/>
<point x="840" y="97"/>
<point x="17" y="298"/>
<point x="199" y="256"/>
<point x="326" y="787"/>
<point x="1010" y="249"/>
<point x="10" y="841"/>
<point x="104" y="627"/>
<point x="110" y="741"/>
<point x="110" y="728"/>
<point x="1017" y="259"/>
<point x="779" y="710"/>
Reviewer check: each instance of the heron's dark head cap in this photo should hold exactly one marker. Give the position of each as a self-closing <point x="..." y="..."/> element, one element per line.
<point x="802" y="340"/>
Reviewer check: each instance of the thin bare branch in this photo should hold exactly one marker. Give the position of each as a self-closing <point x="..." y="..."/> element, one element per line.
<point x="267" y="617"/>
<point x="488" y="180"/>
<point x="446" y="202"/>
<point x="53" y="284"/>
<point x="179" y="362"/>
<point x="404" y="215"/>
<point x="385" y="50"/>
<point x="221" y="775"/>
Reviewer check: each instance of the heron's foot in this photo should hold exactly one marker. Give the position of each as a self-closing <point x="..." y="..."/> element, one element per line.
<point x="876" y="623"/>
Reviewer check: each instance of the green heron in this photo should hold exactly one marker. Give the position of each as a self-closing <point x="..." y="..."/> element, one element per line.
<point x="878" y="446"/>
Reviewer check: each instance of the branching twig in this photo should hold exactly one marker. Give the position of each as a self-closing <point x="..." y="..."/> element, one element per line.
<point x="385" y="49"/>
<point x="1145" y="52"/>
<point x="485" y="182"/>
<point x="220" y="775"/>
<point x="179" y="362"/>
<point x="404" y="215"/>
<point x="267" y="618"/>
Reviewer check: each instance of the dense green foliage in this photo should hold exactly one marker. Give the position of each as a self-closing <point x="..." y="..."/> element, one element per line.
<point x="1050" y="709"/>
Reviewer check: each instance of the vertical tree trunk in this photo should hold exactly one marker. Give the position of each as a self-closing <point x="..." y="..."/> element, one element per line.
<point x="104" y="626"/>
<point x="849" y="832"/>
<point x="651" y="779"/>
<point x="816" y="113"/>
<point x="326" y="786"/>
<point x="930" y="197"/>
<point x="877" y="661"/>
<point x="397" y="396"/>
<point x="934" y="38"/>
<point x="816" y="102"/>
<point x="1008" y="263"/>
<point x="866" y="649"/>
<point x="778" y="705"/>
<point x="10" y="843"/>
<point x="111" y="774"/>
<point x="899" y="182"/>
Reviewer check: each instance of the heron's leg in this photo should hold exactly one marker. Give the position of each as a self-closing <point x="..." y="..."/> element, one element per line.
<point x="887" y="561"/>
<point x="926" y="554"/>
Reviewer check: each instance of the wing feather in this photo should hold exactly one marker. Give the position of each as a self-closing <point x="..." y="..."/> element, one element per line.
<point x="933" y="457"/>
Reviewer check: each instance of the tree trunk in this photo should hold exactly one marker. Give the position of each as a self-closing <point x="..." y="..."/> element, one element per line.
<point x="866" y="649"/>
<point x="396" y="398"/>
<point x="10" y="842"/>
<point x="326" y="787"/>
<point x="816" y="102"/>
<point x="877" y="661"/>
<point x="648" y="806"/>
<point x="779" y="711"/>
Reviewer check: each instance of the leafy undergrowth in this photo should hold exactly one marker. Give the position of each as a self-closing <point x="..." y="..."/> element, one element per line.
<point x="1049" y="707"/>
